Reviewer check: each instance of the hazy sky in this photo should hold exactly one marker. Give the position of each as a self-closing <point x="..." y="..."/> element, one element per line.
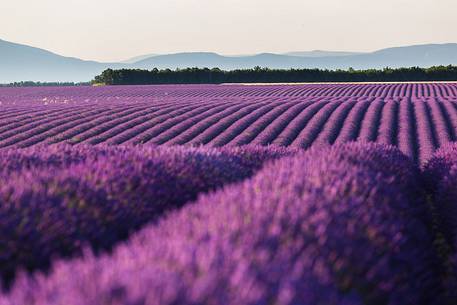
<point x="110" y="30"/>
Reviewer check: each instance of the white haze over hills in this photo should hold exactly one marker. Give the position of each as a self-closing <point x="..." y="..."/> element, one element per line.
<point x="24" y="63"/>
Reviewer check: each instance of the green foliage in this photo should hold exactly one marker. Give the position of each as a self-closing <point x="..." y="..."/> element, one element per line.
<point x="266" y="75"/>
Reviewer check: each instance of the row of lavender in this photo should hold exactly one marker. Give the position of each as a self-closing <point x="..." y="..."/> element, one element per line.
<point x="347" y="224"/>
<point x="54" y="200"/>
<point x="78" y="94"/>
<point x="418" y="127"/>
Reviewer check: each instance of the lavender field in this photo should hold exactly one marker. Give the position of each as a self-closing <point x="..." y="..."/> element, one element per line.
<point x="229" y="194"/>
<point x="417" y="118"/>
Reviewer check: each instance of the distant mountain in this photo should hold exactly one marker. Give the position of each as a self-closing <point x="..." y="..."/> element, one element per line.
<point x="314" y="53"/>
<point x="214" y="60"/>
<point x="320" y="53"/>
<point x="20" y="62"/>
<point x="420" y="55"/>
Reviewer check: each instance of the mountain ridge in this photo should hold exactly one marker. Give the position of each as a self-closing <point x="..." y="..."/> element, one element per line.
<point x="19" y="62"/>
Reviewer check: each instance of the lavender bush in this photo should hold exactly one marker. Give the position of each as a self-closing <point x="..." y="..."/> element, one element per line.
<point x="318" y="228"/>
<point x="56" y="199"/>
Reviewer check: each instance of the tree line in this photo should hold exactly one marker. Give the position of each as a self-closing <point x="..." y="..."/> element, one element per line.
<point x="266" y="75"/>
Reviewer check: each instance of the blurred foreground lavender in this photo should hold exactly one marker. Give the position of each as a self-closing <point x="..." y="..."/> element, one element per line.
<point x="56" y="199"/>
<point x="441" y="175"/>
<point x="345" y="224"/>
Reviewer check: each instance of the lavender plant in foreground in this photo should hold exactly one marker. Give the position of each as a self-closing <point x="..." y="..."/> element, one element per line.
<point x="441" y="175"/>
<point x="439" y="165"/>
<point x="319" y="228"/>
<point x="45" y="158"/>
<point x="57" y="199"/>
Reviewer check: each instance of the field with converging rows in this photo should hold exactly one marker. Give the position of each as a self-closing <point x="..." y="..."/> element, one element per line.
<point x="229" y="194"/>
<point x="417" y="118"/>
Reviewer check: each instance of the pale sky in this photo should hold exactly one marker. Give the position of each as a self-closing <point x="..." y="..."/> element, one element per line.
<point x="110" y="30"/>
